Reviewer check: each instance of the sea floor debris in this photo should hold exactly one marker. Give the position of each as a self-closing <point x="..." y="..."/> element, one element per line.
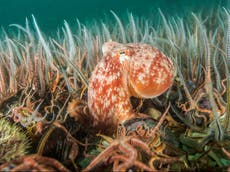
<point x="43" y="98"/>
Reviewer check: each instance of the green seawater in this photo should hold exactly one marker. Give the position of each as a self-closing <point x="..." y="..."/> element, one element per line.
<point x="51" y="14"/>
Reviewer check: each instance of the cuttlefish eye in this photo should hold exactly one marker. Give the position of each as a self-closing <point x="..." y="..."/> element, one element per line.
<point x="122" y="52"/>
<point x="122" y="55"/>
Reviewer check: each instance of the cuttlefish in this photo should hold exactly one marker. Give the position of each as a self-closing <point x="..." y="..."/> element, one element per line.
<point x="125" y="70"/>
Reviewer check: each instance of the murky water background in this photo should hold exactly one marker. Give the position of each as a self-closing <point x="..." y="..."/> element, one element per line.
<point x="50" y="14"/>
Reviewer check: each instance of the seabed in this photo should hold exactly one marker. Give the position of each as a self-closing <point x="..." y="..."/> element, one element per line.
<point x="43" y="98"/>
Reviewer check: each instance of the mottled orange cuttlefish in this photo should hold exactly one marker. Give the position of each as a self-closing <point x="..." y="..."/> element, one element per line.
<point x="125" y="70"/>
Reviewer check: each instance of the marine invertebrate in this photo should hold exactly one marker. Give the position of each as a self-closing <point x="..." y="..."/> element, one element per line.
<point x="133" y="138"/>
<point x="123" y="150"/>
<point x="13" y="141"/>
<point x="57" y="68"/>
<point x="126" y="70"/>
<point x="69" y="146"/>
<point x="33" y="163"/>
<point x="26" y="114"/>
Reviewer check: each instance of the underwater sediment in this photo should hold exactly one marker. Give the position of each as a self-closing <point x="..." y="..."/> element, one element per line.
<point x="43" y="91"/>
